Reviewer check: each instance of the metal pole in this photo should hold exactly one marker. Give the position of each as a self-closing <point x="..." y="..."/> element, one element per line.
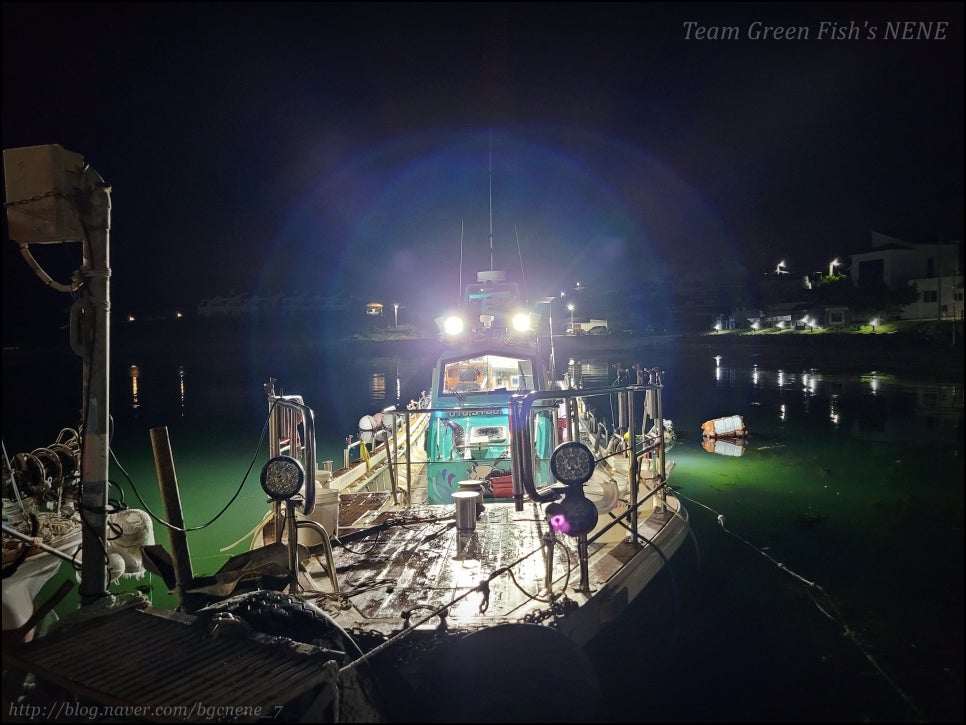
<point x="553" y="357"/>
<point x="95" y="209"/>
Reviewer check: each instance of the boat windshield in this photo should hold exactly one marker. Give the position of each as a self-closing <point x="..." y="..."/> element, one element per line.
<point x="488" y="373"/>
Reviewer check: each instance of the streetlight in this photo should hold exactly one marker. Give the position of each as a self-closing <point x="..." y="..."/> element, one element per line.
<point x="780" y="269"/>
<point x="570" y="306"/>
<point x="872" y="324"/>
<point x="395" y="314"/>
<point x="832" y="265"/>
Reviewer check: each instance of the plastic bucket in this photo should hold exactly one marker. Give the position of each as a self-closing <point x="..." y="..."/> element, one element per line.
<point x="327" y="509"/>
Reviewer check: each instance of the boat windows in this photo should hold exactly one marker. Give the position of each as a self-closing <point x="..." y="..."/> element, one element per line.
<point x="488" y="373"/>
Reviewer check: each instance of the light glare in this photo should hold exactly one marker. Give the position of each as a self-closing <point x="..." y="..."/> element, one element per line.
<point x="453" y="325"/>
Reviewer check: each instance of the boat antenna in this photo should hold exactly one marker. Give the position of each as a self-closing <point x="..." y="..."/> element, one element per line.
<point x="459" y="292"/>
<point x="491" y="201"/>
<point x="523" y="274"/>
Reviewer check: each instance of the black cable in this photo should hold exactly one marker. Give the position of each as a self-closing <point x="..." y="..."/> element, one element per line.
<point x="218" y="515"/>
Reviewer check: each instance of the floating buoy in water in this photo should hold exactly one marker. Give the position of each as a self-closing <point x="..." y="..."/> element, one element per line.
<point x="732" y="426"/>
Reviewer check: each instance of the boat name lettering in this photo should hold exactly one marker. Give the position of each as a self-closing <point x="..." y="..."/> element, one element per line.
<point x="466" y="413"/>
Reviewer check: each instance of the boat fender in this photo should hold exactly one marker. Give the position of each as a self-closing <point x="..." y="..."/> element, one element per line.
<point x="370" y="422"/>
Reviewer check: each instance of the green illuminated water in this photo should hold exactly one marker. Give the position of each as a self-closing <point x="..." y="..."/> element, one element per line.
<point x="851" y="481"/>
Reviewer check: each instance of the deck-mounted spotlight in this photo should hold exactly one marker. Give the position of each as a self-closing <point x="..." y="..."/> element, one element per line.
<point x="572" y="463"/>
<point x="282" y="478"/>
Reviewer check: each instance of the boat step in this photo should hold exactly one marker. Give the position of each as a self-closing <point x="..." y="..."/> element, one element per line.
<point x="169" y="667"/>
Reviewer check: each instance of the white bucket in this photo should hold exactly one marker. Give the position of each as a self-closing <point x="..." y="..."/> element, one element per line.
<point x="326" y="513"/>
<point x="327" y="509"/>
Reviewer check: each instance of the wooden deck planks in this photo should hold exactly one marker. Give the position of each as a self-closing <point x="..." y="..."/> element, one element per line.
<point x="427" y="564"/>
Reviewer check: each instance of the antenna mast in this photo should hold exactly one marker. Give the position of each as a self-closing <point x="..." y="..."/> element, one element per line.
<point x="491" y="202"/>
<point x="523" y="274"/>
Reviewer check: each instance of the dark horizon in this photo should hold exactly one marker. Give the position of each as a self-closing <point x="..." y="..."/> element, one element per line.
<point x="354" y="148"/>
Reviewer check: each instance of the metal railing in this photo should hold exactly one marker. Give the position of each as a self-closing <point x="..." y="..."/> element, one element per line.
<point x="291" y="432"/>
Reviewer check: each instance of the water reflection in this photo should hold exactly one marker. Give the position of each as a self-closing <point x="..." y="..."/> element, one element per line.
<point x="141" y="380"/>
<point x="872" y="406"/>
<point x="377" y="387"/>
<point x="135" y="373"/>
<point x="181" y="388"/>
<point x="833" y="410"/>
<point x="725" y="447"/>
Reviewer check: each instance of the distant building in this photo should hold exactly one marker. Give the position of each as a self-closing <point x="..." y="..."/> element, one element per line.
<point x="236" y="305"/>
<point x="897" y="263"/>
<point x="934" y="269"/>
<point x="940" y="297"/>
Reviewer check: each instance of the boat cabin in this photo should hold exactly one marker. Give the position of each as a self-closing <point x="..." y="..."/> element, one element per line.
<point x="469" y="431"/>
<point x="486" y="374"/>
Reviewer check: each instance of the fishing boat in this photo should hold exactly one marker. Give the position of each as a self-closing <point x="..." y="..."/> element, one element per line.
<point x="494" y="530"/>
<point x="452" y="569"/>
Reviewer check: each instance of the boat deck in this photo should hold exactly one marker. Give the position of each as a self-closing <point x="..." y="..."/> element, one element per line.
<point x="416" y="561"/>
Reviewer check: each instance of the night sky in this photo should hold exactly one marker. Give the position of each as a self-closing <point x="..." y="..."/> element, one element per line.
<point x="346" y="148"/>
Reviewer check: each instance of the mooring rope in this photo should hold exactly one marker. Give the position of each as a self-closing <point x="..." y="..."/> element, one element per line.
<point x="829" y="609"/>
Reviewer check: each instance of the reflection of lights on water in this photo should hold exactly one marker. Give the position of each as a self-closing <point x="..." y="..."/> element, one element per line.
<point x="181" y="386"/>
<point x="808" y="380"/>
<point x="135" y="372"/>
<point x="377" y="386"/>
<point x="874" y="384"/>
<point x="808" y="383"/>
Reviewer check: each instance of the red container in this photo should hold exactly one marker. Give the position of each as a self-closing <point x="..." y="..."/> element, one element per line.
<point x="502" y="486"/>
